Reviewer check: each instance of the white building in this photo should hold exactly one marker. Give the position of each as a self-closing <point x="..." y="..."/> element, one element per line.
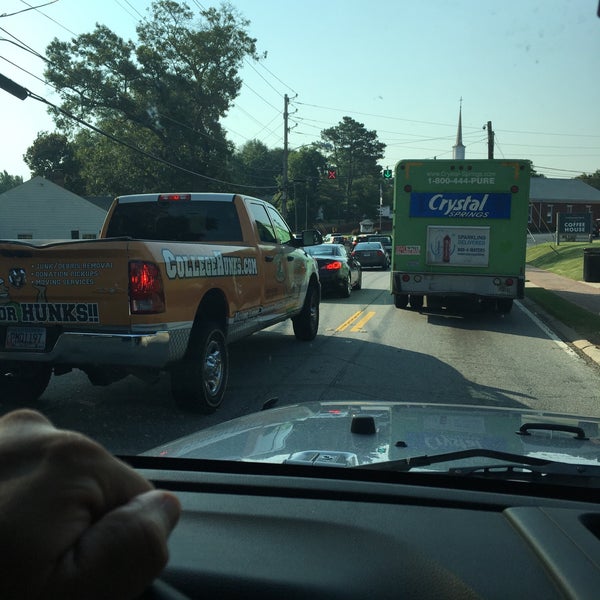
<point x="40" y="209"/>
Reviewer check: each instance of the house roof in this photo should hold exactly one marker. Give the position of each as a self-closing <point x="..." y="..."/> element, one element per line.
<point x="569" y="191"/>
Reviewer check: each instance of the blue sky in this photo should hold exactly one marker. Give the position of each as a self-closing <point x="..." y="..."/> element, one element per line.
<point x="400" y="67"/>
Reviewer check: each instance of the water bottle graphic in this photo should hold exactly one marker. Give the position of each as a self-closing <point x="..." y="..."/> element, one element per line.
<point x="446" y="249"/>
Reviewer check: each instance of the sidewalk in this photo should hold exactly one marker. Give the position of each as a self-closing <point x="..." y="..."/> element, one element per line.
<point x="584" y="294"/>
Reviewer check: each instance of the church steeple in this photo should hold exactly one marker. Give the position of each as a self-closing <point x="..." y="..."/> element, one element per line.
<point x="458" y="150"/>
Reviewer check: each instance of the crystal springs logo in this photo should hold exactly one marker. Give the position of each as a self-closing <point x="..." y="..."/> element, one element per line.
<point x="457" y="206"/>
<point x="462" y="206"/>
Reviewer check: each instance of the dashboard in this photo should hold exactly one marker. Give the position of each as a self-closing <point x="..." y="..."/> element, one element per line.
<point x="275" y="531"/>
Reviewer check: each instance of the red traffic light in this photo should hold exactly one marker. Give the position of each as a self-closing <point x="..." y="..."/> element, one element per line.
<point x="331" y="174"/>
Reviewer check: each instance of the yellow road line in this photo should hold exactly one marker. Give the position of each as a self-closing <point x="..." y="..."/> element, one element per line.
<point x="360" y="324"/>
<point x="349" y="321"/>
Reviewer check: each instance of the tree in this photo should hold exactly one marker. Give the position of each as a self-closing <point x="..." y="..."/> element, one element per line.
<point x="354" y="151"/>
<point x="52" y="156"/>
<point x="160" y="98"/>
<point x="305" y="170"/>
<point x="7" y="182"/>
<point x="257" y="169"/>
<point x="592" y="179"/>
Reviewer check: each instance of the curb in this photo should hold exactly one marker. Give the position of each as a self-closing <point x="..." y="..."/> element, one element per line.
<point x="585" y="347"/>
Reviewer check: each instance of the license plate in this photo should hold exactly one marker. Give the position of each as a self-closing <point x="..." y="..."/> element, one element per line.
<point x="26" y="338"/>
<point x="366" y="254"/>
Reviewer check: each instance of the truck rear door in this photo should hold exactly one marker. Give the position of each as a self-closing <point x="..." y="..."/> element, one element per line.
<point x="72" y="285"/>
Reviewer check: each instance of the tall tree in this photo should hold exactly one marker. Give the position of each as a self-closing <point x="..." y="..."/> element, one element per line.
<point x="257" y="169"/>
<point x="306" y="171"/>
<point x="354" y="151"/>
<point x="52" y="156"/>
<point x="162" y="96"/>
<point x="7" y="182"/>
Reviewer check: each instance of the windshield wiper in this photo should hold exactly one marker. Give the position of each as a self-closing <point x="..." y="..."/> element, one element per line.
<point x="513" y="466"/>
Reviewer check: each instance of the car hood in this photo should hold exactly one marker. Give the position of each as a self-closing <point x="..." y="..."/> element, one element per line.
<point x="361" y="433"/>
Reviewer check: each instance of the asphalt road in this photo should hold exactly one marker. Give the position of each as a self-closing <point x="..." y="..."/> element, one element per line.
<point x="366" y="349"/>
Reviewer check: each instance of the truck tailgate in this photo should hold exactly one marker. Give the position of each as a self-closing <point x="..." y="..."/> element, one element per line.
<point x="71" y="284"/>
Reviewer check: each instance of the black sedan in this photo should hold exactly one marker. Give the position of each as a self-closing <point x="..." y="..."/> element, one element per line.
<point x="371" y="254"/>
<point x="338" y="271"/>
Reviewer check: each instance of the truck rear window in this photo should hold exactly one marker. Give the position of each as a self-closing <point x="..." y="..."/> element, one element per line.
<point x="173" y="221"/>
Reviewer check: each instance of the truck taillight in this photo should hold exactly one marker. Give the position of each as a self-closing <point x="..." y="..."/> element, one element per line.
<point x="146" y="292"/>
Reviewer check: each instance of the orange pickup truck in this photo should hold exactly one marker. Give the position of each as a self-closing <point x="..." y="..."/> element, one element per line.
<point x="172" y="279"/>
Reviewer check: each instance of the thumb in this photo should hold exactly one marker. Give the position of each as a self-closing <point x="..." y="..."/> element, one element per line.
<point x="120" y="555"/>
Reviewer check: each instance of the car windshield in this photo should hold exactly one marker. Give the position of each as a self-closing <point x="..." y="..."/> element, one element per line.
<point x="326" y="250"/>
<point x="367" y="246"/>
<point x="465" y="135"/>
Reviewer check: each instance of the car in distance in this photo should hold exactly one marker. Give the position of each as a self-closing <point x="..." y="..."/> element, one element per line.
<point x="338" y="272"/>
<point x="371" y="254"/>
<point x="386" y="242"/>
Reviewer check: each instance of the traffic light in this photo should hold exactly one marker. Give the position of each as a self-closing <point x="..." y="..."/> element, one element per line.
<point x="331" y="174"/>
<point x="387" y="173"/>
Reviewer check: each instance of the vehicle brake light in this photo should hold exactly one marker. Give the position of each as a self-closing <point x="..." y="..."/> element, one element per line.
<point x="174" y="197"/>
<point x="379" y="253"/>
<point x="508" y="282"/>
<point x="146" y="292"/>
<point x="336" y="265"/>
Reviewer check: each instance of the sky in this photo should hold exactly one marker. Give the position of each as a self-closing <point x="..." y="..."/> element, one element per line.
<point x="402" y="68"/>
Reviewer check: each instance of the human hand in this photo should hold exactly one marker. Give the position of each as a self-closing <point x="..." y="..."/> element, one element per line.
<point x="75" y="522"/>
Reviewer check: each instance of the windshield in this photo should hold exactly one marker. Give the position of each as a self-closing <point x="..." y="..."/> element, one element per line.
<point x="464" y="136"/>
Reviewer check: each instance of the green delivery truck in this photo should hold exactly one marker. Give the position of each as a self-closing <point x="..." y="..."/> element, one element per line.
<point x="460" y="232"/>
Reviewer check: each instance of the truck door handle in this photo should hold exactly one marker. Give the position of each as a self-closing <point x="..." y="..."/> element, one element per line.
<point x="290" y="258"/>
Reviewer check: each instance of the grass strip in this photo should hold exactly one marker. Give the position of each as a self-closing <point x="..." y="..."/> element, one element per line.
<point x="587" y="324"/>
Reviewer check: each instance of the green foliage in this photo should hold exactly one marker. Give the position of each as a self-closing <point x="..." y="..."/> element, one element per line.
<point x="355" y="152"/>
<point x="53" y="157"/>
<point x="7" y="182"/>
<point x="162" y="96"/>
<point x="257" y="169"/>
<point x="592" y="179"/>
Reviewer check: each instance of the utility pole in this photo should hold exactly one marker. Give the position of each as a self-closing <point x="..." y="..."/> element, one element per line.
<point x="490" y="132"/>
<point x="284" y="179"/>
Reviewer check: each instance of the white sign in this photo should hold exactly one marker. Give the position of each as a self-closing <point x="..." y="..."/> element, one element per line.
<point x="458" y="246"/>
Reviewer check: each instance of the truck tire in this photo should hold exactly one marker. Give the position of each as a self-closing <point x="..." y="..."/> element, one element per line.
<point x="23" y="382"/>
<point x="504" y="305"/>
<point x="400" y="300"/>
<point x="306" y="324"/>
<point x="198" y="382"/>
<point x="416" y="301"/>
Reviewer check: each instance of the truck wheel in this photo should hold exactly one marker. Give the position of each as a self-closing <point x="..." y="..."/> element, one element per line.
<point x="400" y="300"/>
<point x="416" y="301"/>
<point x="504" y="305"/>
<point x="198" y="381"/>
<point x="306" y="324"/>
<point x="23" y="382"/>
